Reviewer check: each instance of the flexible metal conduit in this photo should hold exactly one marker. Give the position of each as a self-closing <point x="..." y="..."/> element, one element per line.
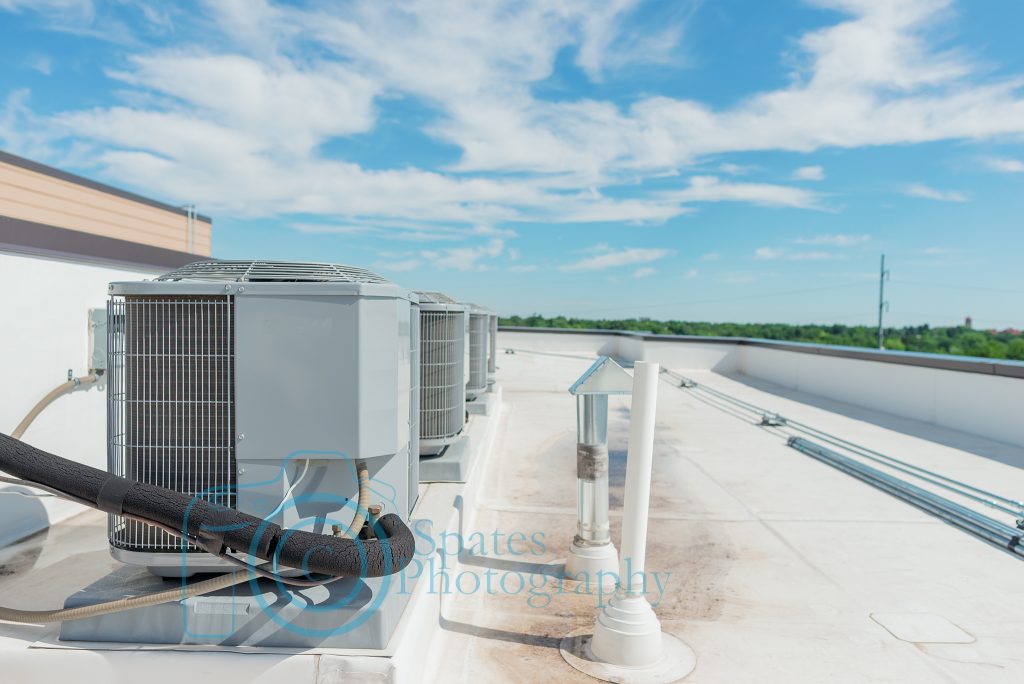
<point x="991" y="499"/>
<point x="984" y="527"/>
<point x="990" y="530"/>
<point x="962" y="488"/>
<point x="121" y="605"/>
<point x="68" y="387"/>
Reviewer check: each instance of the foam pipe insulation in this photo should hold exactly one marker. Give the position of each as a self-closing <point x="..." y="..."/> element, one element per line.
<point x="216" y="527"/>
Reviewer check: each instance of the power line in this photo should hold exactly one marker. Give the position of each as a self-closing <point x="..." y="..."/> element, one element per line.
<point x="954" y="286"/>
<point x="846" y="317"/>
<point x="804" y="291"/>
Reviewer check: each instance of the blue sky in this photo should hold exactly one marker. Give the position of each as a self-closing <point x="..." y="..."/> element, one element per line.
<point x="703" y="160"/>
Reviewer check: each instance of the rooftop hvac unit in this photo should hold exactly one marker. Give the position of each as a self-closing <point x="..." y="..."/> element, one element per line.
<point x="478" y="328"/>
<point x="256" y="384"/>
<point x="442" y="371"/>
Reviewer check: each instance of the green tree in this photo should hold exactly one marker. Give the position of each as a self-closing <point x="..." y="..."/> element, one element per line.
<point x="1015" y="349"/>
<point x="919" y="338"/>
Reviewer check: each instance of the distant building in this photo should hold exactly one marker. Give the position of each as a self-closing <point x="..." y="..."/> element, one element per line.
<point x="968" y="323"/>
<point x="49" y="213"/>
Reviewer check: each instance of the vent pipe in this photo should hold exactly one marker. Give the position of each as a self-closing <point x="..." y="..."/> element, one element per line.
<point x="592" y="556"/>
<point x="628" y="644"/>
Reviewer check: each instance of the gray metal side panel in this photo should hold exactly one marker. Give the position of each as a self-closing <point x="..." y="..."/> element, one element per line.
<point x="317" y="373"/>
<point x="414" y="406"/>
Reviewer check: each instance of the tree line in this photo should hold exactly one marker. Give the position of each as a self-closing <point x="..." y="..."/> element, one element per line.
<point x="958" y="340"/>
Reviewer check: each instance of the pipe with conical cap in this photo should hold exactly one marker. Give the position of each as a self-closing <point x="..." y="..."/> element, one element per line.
<point x="592" y="556"/>
<point x="628" y="633"/>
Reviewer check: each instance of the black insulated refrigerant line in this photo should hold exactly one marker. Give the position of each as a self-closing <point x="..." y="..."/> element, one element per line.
<point x="215" y="527"/>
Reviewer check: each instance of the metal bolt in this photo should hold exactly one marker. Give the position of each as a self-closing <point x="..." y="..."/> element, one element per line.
<point x="241" y="437"/>
<point x="241" y="290"/>
<point x="241" y="471"/>
<point x="227" y="288"/>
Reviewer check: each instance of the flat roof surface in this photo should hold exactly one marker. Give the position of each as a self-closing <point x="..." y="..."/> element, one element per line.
<point x="782" y="568"/>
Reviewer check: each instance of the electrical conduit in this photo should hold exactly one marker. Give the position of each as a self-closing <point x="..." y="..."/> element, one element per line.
<point x="68" y="387"/>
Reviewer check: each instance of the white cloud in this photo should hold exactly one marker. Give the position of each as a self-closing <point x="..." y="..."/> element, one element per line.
<point x="14" y="108"/>
<point x="809" y="173"/>
<point x="81" y="8"/>
<point x="712" y="189"/>
<point x="927" y="192"/>
<point x="239" y="117"/>
<point x="739" y="278"/>
<point x="834" y="240"/>
<point x="119" y="22"/>
<point x="466" y="258"/>
<point x="407" y="230"/>
<point x="290" y="109"/>
<point x="21" y="131"/>
<point x="871" y="79"/>
<point x="734" y="169"/>
<point x="644" y="272"/>
<point x="41" y="63"/>
<point x="398" y="266"/>
<point x="521" y="268"/>
<point x="711" y="256"/>
<point x="768" y="253"/>
<point x="270" y="170"/>
<point x="1005" y="165"/>
<point x="691" y="274"/>
<point x="811" y="256"/>
<point x="621" y="257"/>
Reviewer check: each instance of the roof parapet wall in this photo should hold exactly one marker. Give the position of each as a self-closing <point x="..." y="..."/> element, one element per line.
<point x="966" y="364"/>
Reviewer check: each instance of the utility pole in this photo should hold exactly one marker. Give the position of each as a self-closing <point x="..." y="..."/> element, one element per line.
<point x="883" y="305"/>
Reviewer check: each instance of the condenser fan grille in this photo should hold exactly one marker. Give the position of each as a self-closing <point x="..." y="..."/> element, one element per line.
<point x="492" y="344"/>
<point x="171" y="417"/>
<point x="478" y="348"/>
<point x="442" y="388"/>
<point x="271" y="272"/>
